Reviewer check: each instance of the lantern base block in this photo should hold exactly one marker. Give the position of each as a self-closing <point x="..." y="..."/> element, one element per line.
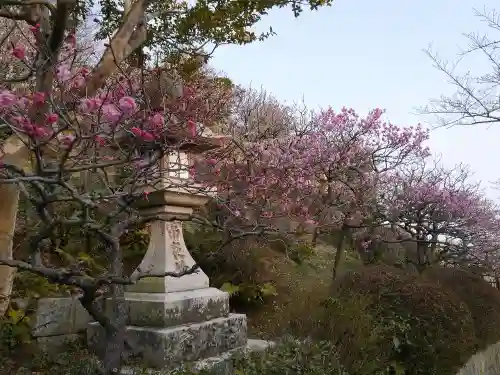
<point x="171" y="347"/>
<point x="174" y="309"/>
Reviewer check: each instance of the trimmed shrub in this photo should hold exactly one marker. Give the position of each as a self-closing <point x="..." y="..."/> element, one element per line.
<point x="384" y="321"/>
<point x="482" y="299"/>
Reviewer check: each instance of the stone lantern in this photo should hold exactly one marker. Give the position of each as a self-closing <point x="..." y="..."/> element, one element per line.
<point x="176" y="320"/>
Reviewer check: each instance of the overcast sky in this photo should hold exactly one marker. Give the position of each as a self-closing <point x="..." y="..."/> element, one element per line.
<point x="366" y="54"/>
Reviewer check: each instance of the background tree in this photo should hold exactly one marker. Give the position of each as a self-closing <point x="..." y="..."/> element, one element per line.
<point x="257" y="115"/>
<point x="177" y="28"/>
<point x="438" y="209"/>
<point x="323" y="173"/>
<point x="475" y="100"/>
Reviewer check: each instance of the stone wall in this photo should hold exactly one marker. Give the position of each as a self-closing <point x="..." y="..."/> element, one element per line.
<point x="483" y="363"/>
<point x="57" y="321"/>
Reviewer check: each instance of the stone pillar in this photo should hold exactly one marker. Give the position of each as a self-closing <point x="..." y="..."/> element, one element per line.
<point x="167" y="252"/>
<point x="176" y="320"/>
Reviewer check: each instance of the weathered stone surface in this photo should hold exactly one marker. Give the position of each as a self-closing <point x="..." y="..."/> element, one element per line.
<point x="219" y="365"/>
<point x="255" y="345"/>
<point x="167" y="252"/>
<point x="178" y="308"/>
<point x="486" y="362"/>
<point x="161" y="347"/>
<point x="59" y="316"/>
<point x="54" y="316"/>
<point x="81" y="317"/>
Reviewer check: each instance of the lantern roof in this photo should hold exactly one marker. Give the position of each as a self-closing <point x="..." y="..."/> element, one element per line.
<point x="206" y="141"/>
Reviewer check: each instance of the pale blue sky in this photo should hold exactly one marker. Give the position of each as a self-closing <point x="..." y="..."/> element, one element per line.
<point x="365" y="54"/>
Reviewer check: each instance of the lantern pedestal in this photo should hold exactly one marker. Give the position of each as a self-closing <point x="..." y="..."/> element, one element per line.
<point x="175" y="320"/>
<point x="167" y="252"/>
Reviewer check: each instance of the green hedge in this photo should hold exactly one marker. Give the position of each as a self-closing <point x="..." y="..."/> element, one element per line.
<point x="385" y="320"/>
<point x="482" y="299"/>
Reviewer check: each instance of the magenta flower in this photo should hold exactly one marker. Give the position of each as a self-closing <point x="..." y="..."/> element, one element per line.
<point x="19" y="52"/>
<point x="110" y="113"/>
<point x="127" y="105"/>
<point x="7" y="99"/>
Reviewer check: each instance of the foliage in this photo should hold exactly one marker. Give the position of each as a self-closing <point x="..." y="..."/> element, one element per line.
<point x="182" y="26"/>
<point x="249" y="294"/>
<point x="74" y="360"/>
<point x="74" y="129"/>
<point x="293" y="358"/>
<point x="31" y="286"/>
<point x="482" y="299"/>
<point x="15" y="329"/>
<point x="297" y="309"/>
<point x="295" y="249"/>
<point x="410" y="323"/>
<point x="357" y="344"/>
<point x="382" y="245"/>
<point x="289" y="356"/>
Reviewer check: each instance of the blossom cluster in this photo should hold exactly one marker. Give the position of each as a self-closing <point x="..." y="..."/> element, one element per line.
<point x="333" y="163"/>
<point x="65" y="116"/>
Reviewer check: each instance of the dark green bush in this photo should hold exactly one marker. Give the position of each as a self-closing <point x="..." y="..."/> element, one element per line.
<point x="15" y="330"/>
<point x="237" y="267"/>
<point x="383" y="319"/>
<point x="294" y="249"/>
<point x="75" y="359"/>
<point x="482" y="299"/>
<point x="352" y="325"/>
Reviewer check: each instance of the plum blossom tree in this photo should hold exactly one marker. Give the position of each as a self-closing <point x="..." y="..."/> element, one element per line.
<point x="324" y="173"/>
<point x="81" y="148"/>
<point x="167" y="29"/>
<point x="478" y="249"/>
<point x="34" y="35"/>
<point x="446" y="215"/>
<point x="475" y="101"/>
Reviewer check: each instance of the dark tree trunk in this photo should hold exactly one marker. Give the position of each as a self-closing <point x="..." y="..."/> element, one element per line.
<point x="338" y="253"/>
<point x="314" y="239"/>
<point x="115" y="339"/>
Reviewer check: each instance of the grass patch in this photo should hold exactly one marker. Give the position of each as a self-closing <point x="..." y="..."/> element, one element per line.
<point x="291" y="357"/>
